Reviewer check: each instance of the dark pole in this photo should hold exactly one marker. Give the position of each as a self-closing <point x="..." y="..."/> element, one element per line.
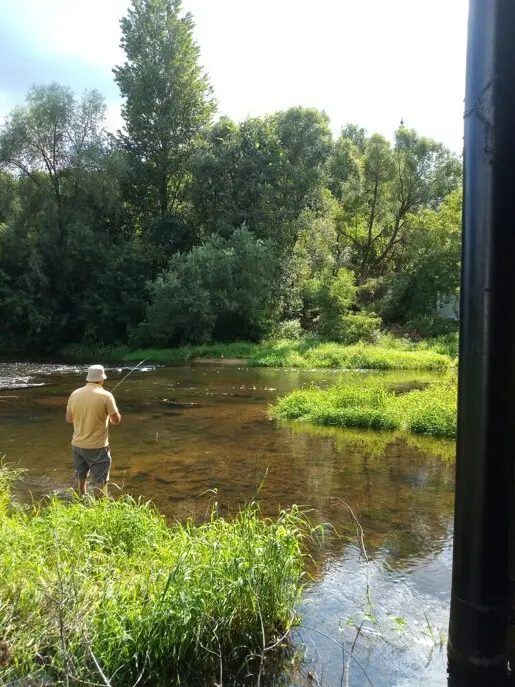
<point x="486" y="410"/>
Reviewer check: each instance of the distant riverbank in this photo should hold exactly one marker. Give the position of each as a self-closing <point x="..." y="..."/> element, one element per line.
<point x="389" y="353"/>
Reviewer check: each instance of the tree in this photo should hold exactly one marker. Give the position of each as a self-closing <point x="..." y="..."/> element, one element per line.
<point x="431" y="262"/>
<point x="379" y="186"/>
<point x="307" y="141"/>
<point x="64" y="219"/>
<point x="7" y="196"/>
<point x="167" y="102"/>
<point x="51" y="134"/>
<point x="262" y="173"/>
<point x="237" y="179"/>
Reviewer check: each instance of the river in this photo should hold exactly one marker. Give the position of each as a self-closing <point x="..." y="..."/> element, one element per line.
<point x="193" y="435"/>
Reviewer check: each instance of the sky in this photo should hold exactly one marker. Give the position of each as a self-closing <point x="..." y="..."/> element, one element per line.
<point x="371" y="62"/>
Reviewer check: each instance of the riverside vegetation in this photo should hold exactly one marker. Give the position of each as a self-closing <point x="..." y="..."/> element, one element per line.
<point x="111" y="594"/>
<point x="371" y="403"/>
<point x="182" y="229"/>
<point x="177" y="232"/>
<point x="388" y="353"/>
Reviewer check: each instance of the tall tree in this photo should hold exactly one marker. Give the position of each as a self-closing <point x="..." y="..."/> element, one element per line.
<point x="430" y="263"/>
<point x="262" y="173"/>
<point x="167" y="101"/>
<point x="63" y="219"/>
<point x="51" y="134"/>
<point x="379" y="186"/>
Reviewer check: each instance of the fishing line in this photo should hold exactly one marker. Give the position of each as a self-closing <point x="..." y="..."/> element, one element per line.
<point x="129" y="373"/>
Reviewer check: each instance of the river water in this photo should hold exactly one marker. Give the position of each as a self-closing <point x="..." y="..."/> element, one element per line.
<point x="192" y="435"/>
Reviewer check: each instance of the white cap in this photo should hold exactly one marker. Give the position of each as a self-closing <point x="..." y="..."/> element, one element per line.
<point x="96" y="374"/>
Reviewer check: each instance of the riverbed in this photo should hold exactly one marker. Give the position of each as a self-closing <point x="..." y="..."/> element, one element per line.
<point x="197" y="437"/>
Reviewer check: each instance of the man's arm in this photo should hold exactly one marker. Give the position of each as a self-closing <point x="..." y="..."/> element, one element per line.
<point x="69" y="416"/>
<point x="114" y="415"/>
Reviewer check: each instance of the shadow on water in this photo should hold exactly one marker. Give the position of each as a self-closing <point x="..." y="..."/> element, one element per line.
<point x="191" y="435"/>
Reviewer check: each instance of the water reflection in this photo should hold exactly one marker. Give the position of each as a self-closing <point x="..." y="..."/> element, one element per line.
<point x="189" y="432"/>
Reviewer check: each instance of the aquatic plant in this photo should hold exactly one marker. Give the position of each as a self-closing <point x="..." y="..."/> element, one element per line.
<point x="371" y="403"/>
<point x="107" y="592"/>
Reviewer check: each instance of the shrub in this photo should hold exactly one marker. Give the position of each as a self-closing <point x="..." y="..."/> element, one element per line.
<point x="288" y="330"/>
<point x="430" y="326"/>
<point x="219" y="290"/>
<point x="354" y="327"/>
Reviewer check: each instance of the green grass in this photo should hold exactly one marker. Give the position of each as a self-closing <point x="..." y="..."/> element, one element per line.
<point x="237" y="350"/>
<point x="108" y="587"/>
<point x="390" y="354"/>
<point x="370" y="403"/>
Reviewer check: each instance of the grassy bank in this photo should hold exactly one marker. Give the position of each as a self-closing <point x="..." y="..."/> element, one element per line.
<point x="388" y="354"/>
<point x="370" y="403"/>
<point x="106" y="590"/>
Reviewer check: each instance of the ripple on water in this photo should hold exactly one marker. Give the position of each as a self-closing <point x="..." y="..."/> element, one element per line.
<point x="26" y="375"/>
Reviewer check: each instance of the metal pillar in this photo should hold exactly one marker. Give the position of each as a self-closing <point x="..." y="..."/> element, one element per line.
<point x="486" y="410"/>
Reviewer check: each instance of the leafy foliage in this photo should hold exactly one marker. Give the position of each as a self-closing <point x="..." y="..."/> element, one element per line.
<point x="185" y="230"/>
<point x="216" y="291"/>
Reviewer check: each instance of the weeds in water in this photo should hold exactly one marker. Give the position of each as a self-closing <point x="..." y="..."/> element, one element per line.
<point x="370" y="403"/>
<point x="106" y="592"/>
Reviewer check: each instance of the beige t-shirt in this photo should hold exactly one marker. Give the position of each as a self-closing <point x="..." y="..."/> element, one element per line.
<point x="90" y="407"/>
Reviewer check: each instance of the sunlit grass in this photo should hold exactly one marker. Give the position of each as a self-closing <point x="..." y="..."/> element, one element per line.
<point x="392" y="354"/>
<point x="371" y="403"/>
<point x="107" y="587"/>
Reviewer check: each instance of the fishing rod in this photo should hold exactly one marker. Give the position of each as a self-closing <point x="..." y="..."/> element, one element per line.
<point x="129" y="373"/>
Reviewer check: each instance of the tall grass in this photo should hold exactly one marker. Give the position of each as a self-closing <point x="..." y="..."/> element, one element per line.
<point x="236" y="350"/>
<point x="370" y="403"/>
<point x="389" y="354"/>
<point x="106" y="590"/>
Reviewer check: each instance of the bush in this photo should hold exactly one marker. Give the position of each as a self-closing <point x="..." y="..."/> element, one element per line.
<point x="354" y="327"/>
<point x="288" y="330"/>
<point x="430" y="326"/>
<point x="220" y="290"/>
<point x="326" y="298"/>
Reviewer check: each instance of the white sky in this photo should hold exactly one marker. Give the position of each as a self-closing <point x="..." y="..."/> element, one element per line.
<point x="371" y="62"/>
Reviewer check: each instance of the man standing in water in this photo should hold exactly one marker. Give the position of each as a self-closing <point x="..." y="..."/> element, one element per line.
<point x="91" y="408"/>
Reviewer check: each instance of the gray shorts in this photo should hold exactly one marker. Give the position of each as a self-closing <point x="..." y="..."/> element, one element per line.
<point x="96" y="461"/>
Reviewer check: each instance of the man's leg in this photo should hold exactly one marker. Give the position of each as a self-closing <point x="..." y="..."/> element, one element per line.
<point x="100" y="464"/>
<point x="81" y="470"/>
